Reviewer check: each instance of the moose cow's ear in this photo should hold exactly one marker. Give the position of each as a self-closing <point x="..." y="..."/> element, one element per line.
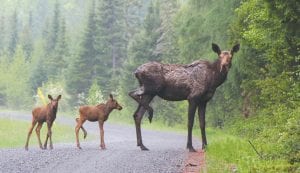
<point x="111" y="96"/>
<point x="216" y="48"/>
<point x="235" y="48"/>
<point x="50" y="97"/>
<point x="58" y="97"/>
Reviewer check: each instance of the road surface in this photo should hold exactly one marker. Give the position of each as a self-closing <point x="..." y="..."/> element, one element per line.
<point x="167" y="151"/>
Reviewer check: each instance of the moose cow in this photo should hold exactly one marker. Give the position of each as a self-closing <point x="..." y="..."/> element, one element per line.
<point x="195" y="82"/>
<point x="98" y="113"/>
<point x="44" y="114"/>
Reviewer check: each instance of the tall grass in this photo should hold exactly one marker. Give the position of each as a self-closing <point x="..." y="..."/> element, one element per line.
<point x="228" y="153"/>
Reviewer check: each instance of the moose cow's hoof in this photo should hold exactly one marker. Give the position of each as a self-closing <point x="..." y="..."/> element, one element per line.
<point x="143" y="148"/>
<point x="204" y="147"/>
<point x="191" y="148"/>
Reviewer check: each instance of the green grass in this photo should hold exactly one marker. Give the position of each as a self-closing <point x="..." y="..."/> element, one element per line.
<point x="13" y="133"/>
<point x="226" y="152"/>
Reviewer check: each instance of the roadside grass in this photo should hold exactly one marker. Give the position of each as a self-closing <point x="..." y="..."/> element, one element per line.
<point x="13" y="133"/>
<point x="226" y="153"/>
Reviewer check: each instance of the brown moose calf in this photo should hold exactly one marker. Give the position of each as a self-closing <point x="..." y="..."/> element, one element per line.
<point x="98" y="113"/>
<point x="44" y="114"/>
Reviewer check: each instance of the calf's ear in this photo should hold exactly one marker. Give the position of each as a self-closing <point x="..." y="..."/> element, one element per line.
<point x="111" y="96"/>
<point x="50" y="97"/>
<point x="58" y="97"/>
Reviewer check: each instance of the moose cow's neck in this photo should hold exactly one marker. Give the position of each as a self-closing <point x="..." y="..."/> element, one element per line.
<point x="219" y="76"/>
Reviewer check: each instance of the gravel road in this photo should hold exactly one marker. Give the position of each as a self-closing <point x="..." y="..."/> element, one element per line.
<point x="167" y="152"/>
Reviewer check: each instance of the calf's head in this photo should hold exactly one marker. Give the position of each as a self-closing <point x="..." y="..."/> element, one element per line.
<point x="225" y="57"/>
<point x="112" y="103"/>
<point x="54" y="102"/>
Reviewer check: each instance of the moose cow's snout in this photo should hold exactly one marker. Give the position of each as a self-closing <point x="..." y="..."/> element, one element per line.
<point x="119" y="107"/>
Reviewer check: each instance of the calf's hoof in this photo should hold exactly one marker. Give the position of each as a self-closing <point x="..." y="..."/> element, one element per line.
<point x="102" y="146"/>
<point x="26" y="148"/>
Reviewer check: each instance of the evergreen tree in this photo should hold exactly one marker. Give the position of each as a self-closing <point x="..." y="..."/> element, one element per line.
<point x="2" y="35"/>
<point x="166" y="43"/>
<point x="111" y="41"/>
<point x="82" y="68"/>
<point x="52" y="36"/>
<point x="26" y="38"/>
<point x="17" y="89"/>
<point x="14" y="37"/>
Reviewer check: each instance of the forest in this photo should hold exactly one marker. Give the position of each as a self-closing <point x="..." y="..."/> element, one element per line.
<point x="85" y="50"/>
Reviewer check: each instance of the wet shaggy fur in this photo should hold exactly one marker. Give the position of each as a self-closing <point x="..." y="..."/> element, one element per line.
<point x="195" y="82"/>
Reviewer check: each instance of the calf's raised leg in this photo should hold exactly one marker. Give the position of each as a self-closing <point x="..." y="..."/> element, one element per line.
<point x="78" y="126"/>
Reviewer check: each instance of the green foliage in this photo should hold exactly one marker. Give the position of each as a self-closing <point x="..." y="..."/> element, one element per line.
<point x="15" y="82"/>
<point x="95" y="95"/>
<point x="236" y="154"/>
<point x="118" y="36"/>
<point x="14" y="35"/>
<point x="54" y="88"/>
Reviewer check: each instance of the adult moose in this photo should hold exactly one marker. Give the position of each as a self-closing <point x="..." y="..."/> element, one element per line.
<point x="44" y="114"/>
<point x="195" y="82"/>
<point x="98" y="113"/>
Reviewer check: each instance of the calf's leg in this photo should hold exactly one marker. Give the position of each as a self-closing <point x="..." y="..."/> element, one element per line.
<point x="78" y="126"/>
<point x="83" y="129"/>
<point x="33" y="123"/>
<point x="102" y="144"/>
<point x="49" y="125"/>
<point x="37" y="130"/>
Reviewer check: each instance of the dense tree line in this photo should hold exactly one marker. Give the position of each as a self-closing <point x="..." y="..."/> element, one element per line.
<point x="86" y="50"/>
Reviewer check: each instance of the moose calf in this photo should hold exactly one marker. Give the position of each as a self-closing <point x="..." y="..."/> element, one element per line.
<point x="44" y="114"/>
<point x="98" y="113"/>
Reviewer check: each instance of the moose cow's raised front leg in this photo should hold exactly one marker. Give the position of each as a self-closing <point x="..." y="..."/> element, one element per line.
<point x="201" y="114"/>
<point x="143" y="100"/>
<point x="191" y="116"/>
